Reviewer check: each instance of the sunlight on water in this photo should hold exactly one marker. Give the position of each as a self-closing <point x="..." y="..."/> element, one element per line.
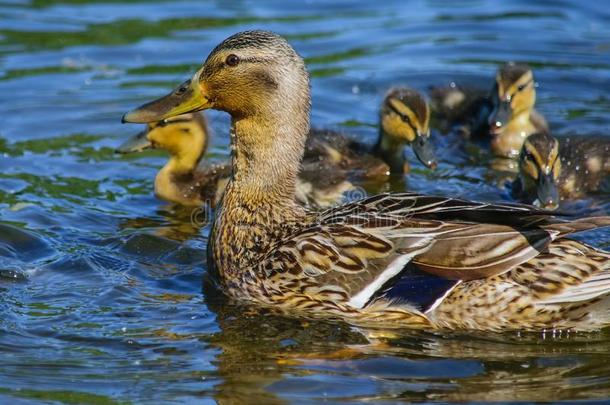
<point x="101" y="283"/>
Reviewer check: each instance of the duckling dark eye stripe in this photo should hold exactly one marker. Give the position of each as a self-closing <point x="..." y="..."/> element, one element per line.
<point x="404" y="118"/>
<point x="524" y="86"/>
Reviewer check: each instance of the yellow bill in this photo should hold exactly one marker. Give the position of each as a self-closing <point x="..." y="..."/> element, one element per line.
<point x="190" y="96"/>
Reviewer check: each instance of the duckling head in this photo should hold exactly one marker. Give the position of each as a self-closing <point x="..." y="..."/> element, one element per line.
<point x="514" y="94"/>
<point x="185" y="137"/>
<point x="405" y="119"/>
<point x="540" y="168"/>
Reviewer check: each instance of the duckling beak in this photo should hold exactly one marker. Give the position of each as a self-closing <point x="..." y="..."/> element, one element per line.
<point x="424" y="150"/>
<point x="548" y="193"/>
<point x="188" y="97"/>
<point x="136" y="143"/>
<point x="499" y="116"/>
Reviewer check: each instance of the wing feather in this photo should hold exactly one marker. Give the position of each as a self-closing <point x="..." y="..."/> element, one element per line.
<point x="360" y="248"/>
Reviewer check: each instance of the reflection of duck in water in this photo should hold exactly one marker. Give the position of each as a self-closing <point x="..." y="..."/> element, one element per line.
<point x="392" y="260"/>
<point x="258" y="348"/>
<point x="261" y="353"/>
<point x="553" y="169"/>
<point x="173" y="222"/>
<point x="507" y="117"/>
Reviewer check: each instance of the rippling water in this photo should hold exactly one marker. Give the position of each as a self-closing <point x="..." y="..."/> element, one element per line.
<point x="100" y="284"/>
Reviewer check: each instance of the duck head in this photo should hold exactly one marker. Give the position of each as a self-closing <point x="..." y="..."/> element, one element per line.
<point x="540" y="168"/>
<point x="514" y="95"/>
<point x="248" y="74"/>
<point x="258" y="78"/>
<point x="185" y="137"/>
<point x="405" y="119"/>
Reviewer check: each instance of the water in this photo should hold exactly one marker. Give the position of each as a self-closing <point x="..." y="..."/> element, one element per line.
<point x="100" y="283"/>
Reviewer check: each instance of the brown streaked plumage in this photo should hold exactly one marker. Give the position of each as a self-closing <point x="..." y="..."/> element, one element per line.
<point x="376" y="261"/>
<point x="506" y="117"/>
<point x="184" y="180"/>
<point x="551" y="168"/>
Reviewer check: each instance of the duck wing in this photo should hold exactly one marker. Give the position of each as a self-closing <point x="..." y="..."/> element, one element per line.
<point x="354" y="252"/>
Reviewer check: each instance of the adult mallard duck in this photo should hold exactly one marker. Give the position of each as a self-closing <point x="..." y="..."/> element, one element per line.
<point x="404" y="119"/>
<point x="184" y="180"/>
<point x="391" y="260"/>
<point x="551" y="169"/>
<point x="507" y="116"/>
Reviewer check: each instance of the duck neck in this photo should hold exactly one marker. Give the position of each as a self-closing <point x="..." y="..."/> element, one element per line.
<point x="258" y="207"/>
<point x="391" y="151"/>
<point x="183" y="163"/>
<point x="185" y="155"/>
<point x="266" y="160"/>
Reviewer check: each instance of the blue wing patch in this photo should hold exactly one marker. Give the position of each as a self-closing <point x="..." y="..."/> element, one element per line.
<point x="415" y="287"/>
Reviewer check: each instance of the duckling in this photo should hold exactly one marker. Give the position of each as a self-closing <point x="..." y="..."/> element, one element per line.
<point x="404" y="119"/>
<point x="506" y="117"/>
<point x="183" y="180"/>
<point x="513" y="117"/>
<point x="386" y="261"/>
<point x="552" y="169"/>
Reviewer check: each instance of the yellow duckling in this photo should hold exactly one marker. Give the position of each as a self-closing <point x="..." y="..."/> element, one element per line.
<point x="404" y="119"/>
<point x="507" y="116"/>
<point x="391" y="260"/>
<point x="183" y="180"/>
<point x="551" y="170"/>
<point x="513" y="117"/>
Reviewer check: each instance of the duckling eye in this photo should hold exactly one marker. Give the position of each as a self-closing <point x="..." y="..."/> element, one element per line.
<point x="524" y="85"/>
<point x="232" y="60"/>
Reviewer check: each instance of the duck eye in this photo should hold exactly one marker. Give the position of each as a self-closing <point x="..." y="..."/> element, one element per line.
<point x="232" y="60"/>
<point x="183" y="88"/>
<point x="522" y="87"/>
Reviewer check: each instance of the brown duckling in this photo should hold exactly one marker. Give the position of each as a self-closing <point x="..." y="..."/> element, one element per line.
<point x="552" y="169"/>
<point x="185" y="181"/>
<point x="507" y="116"/>
<point x="404" y="119"/>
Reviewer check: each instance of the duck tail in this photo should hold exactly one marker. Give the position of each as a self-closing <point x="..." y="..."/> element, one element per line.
<point x="578" y="225"/>
<point x="584" y="302"/>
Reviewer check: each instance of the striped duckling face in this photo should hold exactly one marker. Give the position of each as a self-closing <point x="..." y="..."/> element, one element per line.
<point x="405" y="119"/>
<point x="185" y="137"/>
<point x="540" y="168"/>
<point x="514" y="95"/>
